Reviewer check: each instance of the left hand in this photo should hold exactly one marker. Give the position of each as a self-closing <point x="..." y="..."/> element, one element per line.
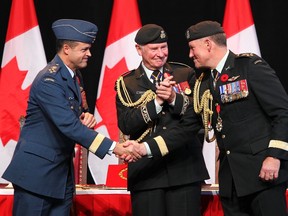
<point x="270" y="169"/>
<point x="88" y="120"/>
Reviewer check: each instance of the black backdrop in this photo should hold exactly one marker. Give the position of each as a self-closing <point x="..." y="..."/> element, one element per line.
<point x="270" y="18"/>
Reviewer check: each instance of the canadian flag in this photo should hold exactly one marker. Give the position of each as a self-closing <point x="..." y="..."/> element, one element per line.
<point x="23" y="58"/>
<point x="239" y="27"/>
<point x="120" y="56"/>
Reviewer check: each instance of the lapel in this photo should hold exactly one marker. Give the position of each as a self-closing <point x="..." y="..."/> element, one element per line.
<point x="143" y="81"/>
<point x="226" y="71"/>
<point x="229" y="74"/>
<point x="66" y="76"/>
<point x="229" y="64"/>
<point x="168" y="69"/>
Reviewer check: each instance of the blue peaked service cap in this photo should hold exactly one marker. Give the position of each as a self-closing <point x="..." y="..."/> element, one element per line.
<point x="76" y="30"/>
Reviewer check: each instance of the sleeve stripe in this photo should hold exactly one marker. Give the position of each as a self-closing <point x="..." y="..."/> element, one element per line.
<point x="278" y="144"/>
<point x="96" y="143"/>
<point x="162" y="145"/>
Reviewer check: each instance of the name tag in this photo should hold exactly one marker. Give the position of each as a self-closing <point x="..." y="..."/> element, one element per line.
<point x="140" y="92"/>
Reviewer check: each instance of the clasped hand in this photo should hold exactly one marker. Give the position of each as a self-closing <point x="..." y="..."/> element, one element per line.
<point x="165" y="91"/>
<point x="130" y="151"/>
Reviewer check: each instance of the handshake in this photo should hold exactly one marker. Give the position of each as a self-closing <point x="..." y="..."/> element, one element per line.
<point x="130" y="150"/>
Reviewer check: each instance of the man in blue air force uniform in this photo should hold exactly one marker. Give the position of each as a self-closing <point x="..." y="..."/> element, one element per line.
<point x="41" y="169"/>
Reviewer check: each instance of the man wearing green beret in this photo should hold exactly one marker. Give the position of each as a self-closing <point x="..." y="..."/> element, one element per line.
<point x="150" y="100"/>
<point x="250" y="121"/>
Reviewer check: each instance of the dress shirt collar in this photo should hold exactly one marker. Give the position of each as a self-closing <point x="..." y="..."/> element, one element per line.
<point x="70" y="71"/>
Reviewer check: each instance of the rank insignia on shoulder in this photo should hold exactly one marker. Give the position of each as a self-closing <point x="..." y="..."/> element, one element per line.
<point x="49" y="79"/>
<point x="53" y="68"/>
<point x="246" y="55"/>
<point x="258" y="61"/>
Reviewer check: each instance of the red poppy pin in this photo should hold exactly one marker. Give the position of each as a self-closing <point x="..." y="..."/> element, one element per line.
<point x="224" y="77"/>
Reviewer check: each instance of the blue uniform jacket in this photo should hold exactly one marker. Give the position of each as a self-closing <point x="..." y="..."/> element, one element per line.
<point x="43" y="156"/>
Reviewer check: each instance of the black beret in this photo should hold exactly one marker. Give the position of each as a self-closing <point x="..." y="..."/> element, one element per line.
<point x="76" y="30"/>
<point x="203" y="29"/>
<point x="151" y="33"/>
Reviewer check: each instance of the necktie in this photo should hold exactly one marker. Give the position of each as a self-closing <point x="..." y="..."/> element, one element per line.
<point x="156" y="76"/>
<point x="215" y="72"/>
<point x="76" y="81"/>
<point x="83" y="93"/>
<point x="215" y="77"/>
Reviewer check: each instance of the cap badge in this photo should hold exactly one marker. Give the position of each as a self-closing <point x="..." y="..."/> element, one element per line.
<point x="162" y="34"/>
<point x="187" y="34"/>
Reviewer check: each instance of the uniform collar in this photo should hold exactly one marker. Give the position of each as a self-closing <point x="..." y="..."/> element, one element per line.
<point x="70" y="71"/>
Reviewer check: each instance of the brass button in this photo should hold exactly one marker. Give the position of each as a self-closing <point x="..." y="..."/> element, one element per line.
<point x="223" y="136"/>
<point x="227" y="152"/>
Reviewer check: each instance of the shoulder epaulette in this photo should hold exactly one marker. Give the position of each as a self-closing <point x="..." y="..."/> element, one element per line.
<point x="127" y="73"/>
<point x="250" y="55"/>
<point x="53" y="68"/>
<point x="245" y="55"/>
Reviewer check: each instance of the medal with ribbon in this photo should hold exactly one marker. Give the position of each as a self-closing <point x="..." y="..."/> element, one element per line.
<point x="219" y="125"/>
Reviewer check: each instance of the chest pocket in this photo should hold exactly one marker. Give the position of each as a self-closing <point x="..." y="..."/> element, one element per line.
<point x="73" y="101"/>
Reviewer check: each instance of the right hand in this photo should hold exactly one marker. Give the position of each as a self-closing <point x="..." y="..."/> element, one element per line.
<point x="165" y="91"/>
<point x="129" y="151"/>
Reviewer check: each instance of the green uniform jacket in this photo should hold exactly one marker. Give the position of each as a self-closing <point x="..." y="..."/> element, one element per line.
<point x="180" y="163"/>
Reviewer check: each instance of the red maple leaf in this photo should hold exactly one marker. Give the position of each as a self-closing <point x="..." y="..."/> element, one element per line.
<point x="13" y="101"/>
<point x="106" y="104"/>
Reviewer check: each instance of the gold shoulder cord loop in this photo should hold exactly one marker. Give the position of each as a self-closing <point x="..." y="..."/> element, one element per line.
<point x="203" y="106"/>
<point x="142" y="101"/>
